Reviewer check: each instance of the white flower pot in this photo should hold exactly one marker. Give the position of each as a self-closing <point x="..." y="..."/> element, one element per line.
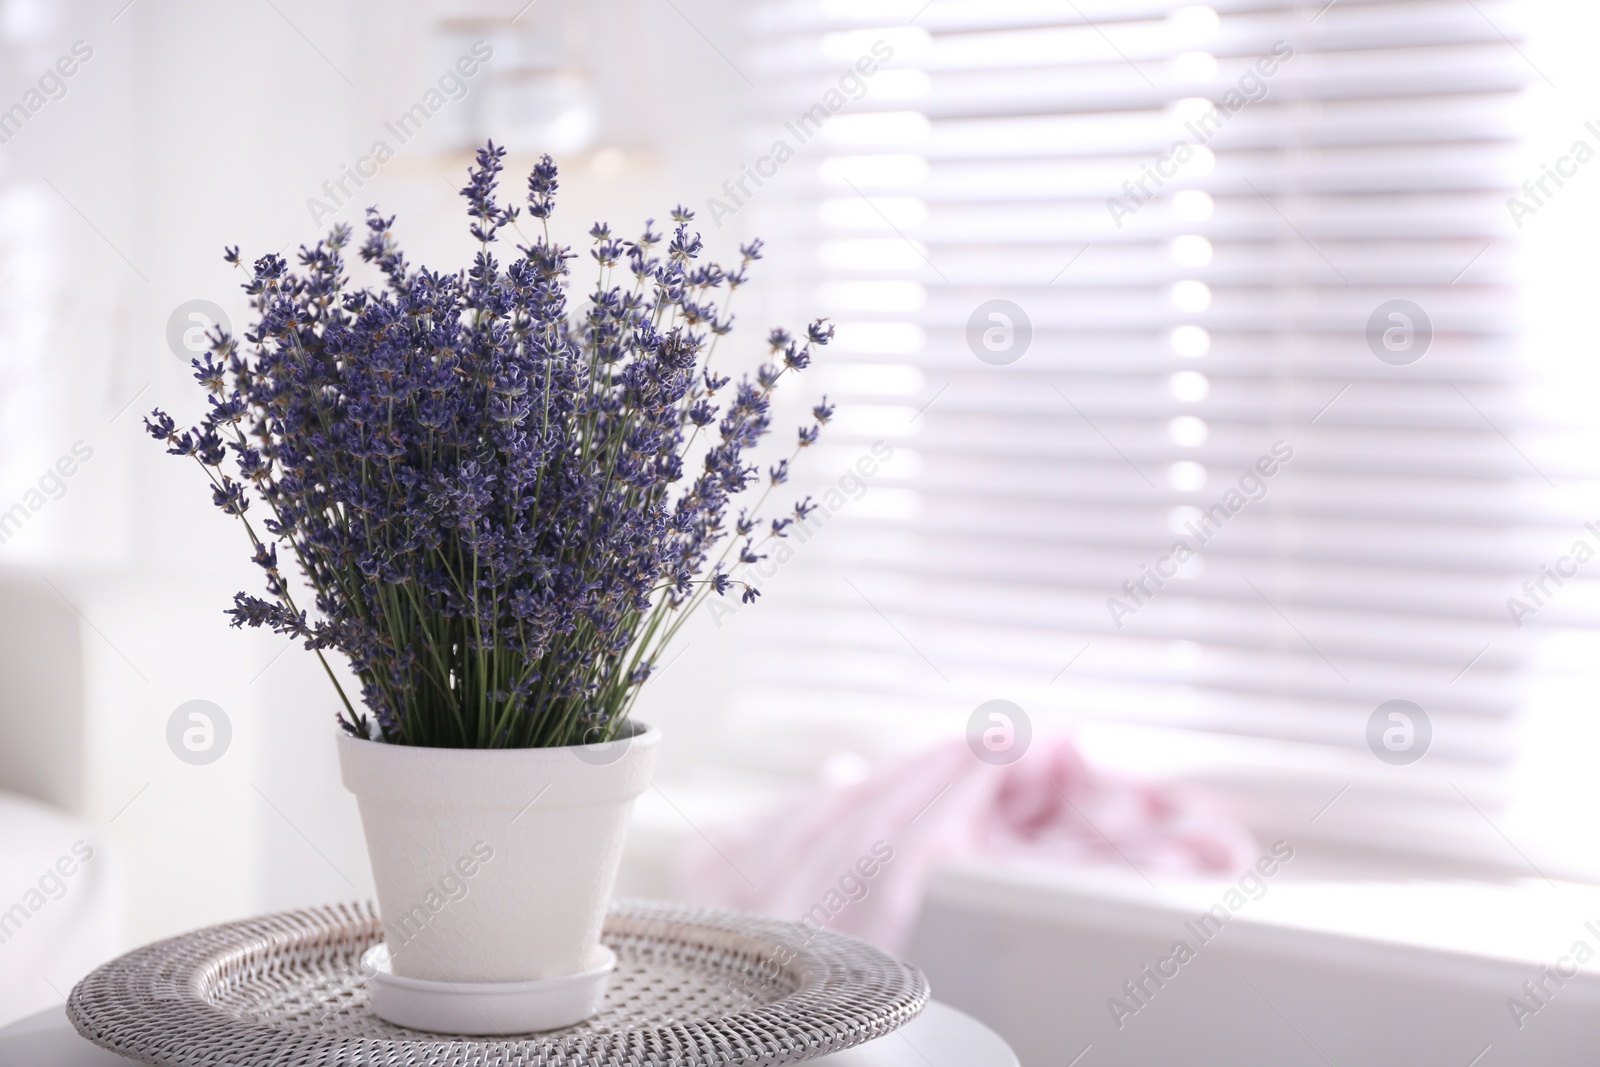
<point x="495" y="865"/>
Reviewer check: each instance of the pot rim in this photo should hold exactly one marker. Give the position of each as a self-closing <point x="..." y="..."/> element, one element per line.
<point x="439" y="779"/>
<point x="638" y="732"/>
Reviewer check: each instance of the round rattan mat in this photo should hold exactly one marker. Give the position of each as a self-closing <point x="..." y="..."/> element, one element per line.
<point x="693" y="988"/>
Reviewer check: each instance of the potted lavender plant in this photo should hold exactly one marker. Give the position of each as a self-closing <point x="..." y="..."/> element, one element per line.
<point x="504" y="509"/>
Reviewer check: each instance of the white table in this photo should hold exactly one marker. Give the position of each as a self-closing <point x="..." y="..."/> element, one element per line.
<point x="939" y="1037"/>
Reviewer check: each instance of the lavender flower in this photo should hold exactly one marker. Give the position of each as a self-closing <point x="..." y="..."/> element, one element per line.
<point x="504" y="506"/>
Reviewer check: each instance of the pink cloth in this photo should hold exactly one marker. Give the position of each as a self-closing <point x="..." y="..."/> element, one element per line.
<point x="854" y="859"/>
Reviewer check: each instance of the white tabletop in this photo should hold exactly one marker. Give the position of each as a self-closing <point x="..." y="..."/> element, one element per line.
<point x="939" y="1037"/>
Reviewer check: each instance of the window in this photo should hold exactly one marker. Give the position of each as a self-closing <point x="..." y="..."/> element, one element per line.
<point x="1114" y="279"/>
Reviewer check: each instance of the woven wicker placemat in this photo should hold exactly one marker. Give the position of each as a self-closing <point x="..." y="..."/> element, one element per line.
<point x="693" y="987"/>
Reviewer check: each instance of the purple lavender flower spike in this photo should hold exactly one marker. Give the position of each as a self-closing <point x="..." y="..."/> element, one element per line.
<point x="502" y="502"/>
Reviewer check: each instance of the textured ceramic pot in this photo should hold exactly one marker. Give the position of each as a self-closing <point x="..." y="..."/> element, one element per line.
<point x="495" y="865"/>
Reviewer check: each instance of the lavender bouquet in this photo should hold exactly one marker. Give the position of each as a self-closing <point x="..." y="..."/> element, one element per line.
<point x="485" y="492"/>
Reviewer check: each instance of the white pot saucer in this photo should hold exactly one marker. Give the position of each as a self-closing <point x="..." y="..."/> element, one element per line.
<point x="479" y="1009"/>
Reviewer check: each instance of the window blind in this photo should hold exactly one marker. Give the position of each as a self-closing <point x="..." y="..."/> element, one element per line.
<point x="1261" y="258"/>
